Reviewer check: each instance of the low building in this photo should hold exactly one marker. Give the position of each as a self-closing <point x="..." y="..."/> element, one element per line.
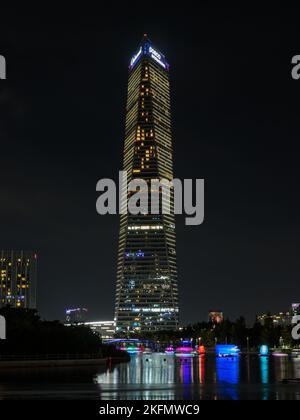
<point x="282" y="318"/>
<point x="105" y="329"/>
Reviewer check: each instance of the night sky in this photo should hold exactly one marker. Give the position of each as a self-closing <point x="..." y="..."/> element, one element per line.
<point x="236" y="124"/>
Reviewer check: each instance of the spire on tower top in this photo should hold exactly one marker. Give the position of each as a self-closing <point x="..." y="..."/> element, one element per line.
<point x="145" y="38"/>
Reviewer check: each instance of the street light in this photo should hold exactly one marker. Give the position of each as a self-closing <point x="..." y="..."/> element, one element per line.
<point x="281" y="342"/>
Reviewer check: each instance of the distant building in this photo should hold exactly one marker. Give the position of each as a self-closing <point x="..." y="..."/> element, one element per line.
<point x="18" y="279"/>
<point x="295" y="309"/>
<point x="216" y="317"/>
<point x="76" y="316"/>
<point x="282" y="318"/>
<point x="105" y="329"/>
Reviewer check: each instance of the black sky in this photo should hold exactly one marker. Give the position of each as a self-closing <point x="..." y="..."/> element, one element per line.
<point x="235" y="122"/>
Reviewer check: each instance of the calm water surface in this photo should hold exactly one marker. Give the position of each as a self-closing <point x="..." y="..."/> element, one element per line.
<point x="157" y="376"/>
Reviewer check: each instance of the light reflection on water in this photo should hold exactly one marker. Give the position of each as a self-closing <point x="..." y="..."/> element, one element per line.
<point x="228" y="371"/>
<point x="160" y="376"/>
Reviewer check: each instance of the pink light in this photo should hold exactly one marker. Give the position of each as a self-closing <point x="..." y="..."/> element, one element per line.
<point x="184" y="349"/>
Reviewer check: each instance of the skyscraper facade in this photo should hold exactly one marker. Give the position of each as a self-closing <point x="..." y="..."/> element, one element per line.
<point x="147" y="291"/>
<point x="18" y="271"/>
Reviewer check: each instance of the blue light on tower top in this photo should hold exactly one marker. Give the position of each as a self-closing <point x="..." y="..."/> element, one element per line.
<point x="147" y="49"/>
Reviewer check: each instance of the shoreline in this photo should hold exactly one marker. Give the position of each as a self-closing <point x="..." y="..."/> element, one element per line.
<point x="9" y="364"/>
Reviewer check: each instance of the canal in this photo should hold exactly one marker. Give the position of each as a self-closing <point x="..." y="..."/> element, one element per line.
<point x="160" y="377"/>
<point x="157" y="376"/>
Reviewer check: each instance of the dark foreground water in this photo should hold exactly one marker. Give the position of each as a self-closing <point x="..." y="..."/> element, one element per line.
<point x="160" y="377"/>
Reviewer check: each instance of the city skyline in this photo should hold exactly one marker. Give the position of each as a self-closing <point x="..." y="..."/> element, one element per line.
<point x="234" y="113"/>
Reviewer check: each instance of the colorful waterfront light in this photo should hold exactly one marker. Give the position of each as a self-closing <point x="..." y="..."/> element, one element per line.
<point x="184" y="351"/>
<point x="264" y="350"/>
<point x="169" y="350"/>
<point x="201" y="350"/>
<point x="133" y="350"/>
<point x="227" y="350"/>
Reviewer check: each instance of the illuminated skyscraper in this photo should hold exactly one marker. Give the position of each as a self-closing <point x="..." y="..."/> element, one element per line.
<point x="147" y="291"/>
<point x="18" y="279"/>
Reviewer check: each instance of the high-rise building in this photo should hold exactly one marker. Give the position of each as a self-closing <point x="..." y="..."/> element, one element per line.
<point x="147" y="291"/>
<point x="18" y="276"/>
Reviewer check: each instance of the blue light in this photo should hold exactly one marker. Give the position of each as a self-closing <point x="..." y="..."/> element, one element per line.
<point x="136" y="57"/>
<point x="187" y="373"/>
<point x="264" y="350"/>
<point x="129" y="254"/>
<point x="140" y="254"/>
<point x="227" y="350"/>
<point x="264" y="370"/>
<point x="187" y="342"/>
<point x="156" y="55"/>
<point x="228" y="374"/>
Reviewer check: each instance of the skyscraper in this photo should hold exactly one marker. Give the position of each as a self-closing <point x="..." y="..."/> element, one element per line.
<point x="18" y="279"/>
<point x="147" y="291"/>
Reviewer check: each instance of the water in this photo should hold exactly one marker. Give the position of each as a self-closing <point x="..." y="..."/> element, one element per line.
<point x="160" y="377"/>
<point x="157" y="376"/>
